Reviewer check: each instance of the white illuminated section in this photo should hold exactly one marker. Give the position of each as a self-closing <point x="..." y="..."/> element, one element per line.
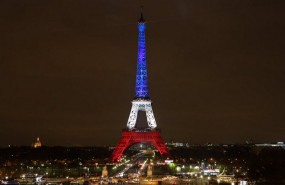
<point x="141" y="105"/>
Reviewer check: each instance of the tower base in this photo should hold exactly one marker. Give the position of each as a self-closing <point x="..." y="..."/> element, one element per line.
<point x="130" y="138"/>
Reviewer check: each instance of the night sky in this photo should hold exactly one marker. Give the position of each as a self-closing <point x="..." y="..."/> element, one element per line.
<point x="67" y="70"/>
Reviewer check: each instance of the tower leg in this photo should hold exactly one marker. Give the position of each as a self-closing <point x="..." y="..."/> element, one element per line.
<point x="121" y="146"/>
<point x="159" y="144"/>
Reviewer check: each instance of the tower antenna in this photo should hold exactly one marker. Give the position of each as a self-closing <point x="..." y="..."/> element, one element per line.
<point x="141" y="20"/>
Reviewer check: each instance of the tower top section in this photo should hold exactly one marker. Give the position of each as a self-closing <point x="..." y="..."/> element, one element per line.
<point x="141" y="20"/>
<point x="141" y="90"/>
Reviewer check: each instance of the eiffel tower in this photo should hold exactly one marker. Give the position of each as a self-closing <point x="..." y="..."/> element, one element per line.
<point x="141" y="126"/>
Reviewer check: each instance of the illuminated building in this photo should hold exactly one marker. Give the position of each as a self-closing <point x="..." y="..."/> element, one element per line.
<point x="105" y="172"/>
<point x="141" y="125"/>
<point x="38" y="143"/>
<point x="278" y="144"/>
<point x="177" y="144"/>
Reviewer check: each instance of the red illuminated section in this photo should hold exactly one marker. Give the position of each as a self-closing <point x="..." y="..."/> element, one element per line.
<point x="130" y="138"/>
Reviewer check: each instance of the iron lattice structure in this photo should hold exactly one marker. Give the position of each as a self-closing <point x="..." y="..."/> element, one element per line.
<point x="141" y="91"/>
<point x="141" y="104"/>
<point x="130" y="138"/>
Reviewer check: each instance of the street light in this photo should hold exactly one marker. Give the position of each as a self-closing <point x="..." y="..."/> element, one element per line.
<point x="47" y="176"/>
<point x="237" y="171"/>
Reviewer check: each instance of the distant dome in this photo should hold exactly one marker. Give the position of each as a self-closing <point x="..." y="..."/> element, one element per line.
<point x="38" y="143"/>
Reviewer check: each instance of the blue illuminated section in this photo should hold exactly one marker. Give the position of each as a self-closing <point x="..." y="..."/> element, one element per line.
<point x="141" y="91"/>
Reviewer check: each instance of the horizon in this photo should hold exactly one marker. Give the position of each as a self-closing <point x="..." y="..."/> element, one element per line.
<point x="190" y="144"/>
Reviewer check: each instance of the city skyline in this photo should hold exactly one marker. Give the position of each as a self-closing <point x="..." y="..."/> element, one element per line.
<point x="216" y="70"/>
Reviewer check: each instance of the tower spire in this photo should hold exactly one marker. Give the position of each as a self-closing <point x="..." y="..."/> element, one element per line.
<point x="141" y="90"/>
<point x="141" y="20"/>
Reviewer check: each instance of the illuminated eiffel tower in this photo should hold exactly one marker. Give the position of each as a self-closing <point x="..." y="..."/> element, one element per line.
<point x="141" y="126"/>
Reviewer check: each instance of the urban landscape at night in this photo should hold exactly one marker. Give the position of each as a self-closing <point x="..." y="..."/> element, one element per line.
<point x="214" y="69"/>
<point x="142" y="164"/>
